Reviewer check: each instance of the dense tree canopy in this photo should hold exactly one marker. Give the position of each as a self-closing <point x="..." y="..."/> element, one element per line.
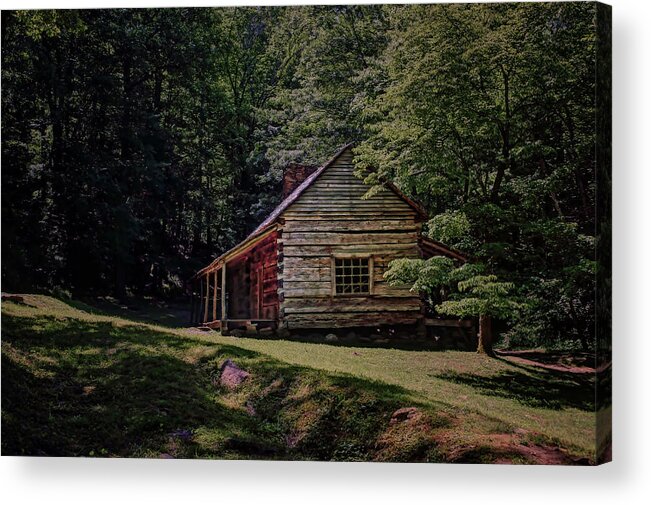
<point x="139" y="144"/>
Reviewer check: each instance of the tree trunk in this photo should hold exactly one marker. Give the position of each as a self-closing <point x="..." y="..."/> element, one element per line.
<point x="485" y="344"/>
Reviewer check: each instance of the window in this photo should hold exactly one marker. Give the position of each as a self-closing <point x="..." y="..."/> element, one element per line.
<point x="352" y="276"/>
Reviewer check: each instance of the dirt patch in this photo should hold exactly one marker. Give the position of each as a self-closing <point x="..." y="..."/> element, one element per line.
<point x="513" y="448"/>
<point x="405" y="414"/>
<point x="409" y="436"/>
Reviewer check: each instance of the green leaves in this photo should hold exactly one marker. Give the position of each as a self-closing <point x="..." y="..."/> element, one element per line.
<point x="424" y="275"/>
<point x="467" y="292"/>
<point x="482" y="295"/>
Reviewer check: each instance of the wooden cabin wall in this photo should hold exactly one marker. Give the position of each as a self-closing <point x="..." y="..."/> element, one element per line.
<point x="264" y="279"/>
<point x="330" y="218"/>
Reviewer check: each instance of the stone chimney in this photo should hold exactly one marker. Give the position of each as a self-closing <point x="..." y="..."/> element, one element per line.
<point x="294" y="175"/>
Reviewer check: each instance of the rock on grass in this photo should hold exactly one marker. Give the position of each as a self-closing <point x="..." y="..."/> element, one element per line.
<point x="231" y="375"/>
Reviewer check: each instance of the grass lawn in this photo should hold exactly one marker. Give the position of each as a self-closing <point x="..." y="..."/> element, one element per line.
<point x="77" y="382"/>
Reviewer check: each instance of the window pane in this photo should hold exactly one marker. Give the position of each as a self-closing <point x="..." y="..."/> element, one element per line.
<point x="352" y="275"/>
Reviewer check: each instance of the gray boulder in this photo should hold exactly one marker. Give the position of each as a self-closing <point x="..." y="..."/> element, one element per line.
<point x="331" y="337"/>
<point x="231" y="375"/>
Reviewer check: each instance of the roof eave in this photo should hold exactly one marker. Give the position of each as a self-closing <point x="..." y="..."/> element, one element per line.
<point x="236" y="251"/>
<point x="445" y="250"/>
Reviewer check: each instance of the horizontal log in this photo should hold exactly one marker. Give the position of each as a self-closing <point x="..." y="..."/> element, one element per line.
<point x="340" y="168"/>
<point x="339" y="320"/>
<point x="353" y="302"/>
<point x="340" y="183"/>
<point x="291" y="263"/>
<point x="350" y="202"/>
<point x="338" y="239"/>
<point x="343" y="186"/>
<point x="395" y="291"/>
<point x="305" y="226"/>
<point x="349" y="309"/>
<point x="303" y="292"/>
<point x="306" y="284"/>
<point x="349" y="205"/>
<point x="397" y="250"/>
<point x="344" y="217"/>
<point x="337" y="198"/>
<point x="297" y="292"/>
<point x="306" y="274"/>
<point x="339" y="179"/>
<point x="349" y="214"/>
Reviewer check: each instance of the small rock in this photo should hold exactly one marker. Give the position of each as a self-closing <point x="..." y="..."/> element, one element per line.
<point x="231" y="375"/>
<point x="331" y="337"/>
<point x="251" y="329"/>
<point x="521" y="431"/>
<point x="185" y="435"/>
<point x="404" y="414"/>
<point x="166" y="456"/>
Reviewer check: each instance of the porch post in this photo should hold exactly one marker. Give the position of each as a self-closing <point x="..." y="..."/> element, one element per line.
<point x="200" y="304"/>
<point x="224" y="318"/>
<point x="214" y="296"/>
<point x="205" y="311"/>
<point x="192" y="301"/>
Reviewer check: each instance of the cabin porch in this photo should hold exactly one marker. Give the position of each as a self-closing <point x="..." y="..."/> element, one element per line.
<point x="238" y="291"/>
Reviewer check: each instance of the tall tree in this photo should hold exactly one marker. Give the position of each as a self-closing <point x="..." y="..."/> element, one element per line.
<point x="486" y="115"/>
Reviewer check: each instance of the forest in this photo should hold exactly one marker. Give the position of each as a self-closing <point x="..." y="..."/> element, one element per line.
<point x="139" y="144"/>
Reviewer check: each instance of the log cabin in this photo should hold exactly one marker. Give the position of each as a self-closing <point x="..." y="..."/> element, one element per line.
<point x="317" y="261"/>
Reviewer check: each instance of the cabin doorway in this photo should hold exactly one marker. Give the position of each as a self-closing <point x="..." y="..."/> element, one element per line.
<point x="263" y="286"/>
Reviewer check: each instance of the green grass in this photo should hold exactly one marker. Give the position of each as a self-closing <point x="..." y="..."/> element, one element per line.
<point x="78" y="382"/>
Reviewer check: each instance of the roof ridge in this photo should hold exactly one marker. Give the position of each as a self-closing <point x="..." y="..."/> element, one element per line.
<point x="280" y="208"/>
<point x="297" y="192"/>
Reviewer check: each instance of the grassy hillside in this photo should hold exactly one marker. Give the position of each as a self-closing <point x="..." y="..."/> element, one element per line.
<point x="76" y="382"/>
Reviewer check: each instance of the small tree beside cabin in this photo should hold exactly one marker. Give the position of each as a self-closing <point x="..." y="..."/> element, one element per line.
<point x="465" y="292"/>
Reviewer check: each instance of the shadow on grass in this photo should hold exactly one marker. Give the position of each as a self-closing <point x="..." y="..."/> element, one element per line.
<point x="171" y="315"/>
<point x="81" y="388"/>
<point x="576" y="359"/>
<point x="73" y="388"/>
<point x="539" y="389"/>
